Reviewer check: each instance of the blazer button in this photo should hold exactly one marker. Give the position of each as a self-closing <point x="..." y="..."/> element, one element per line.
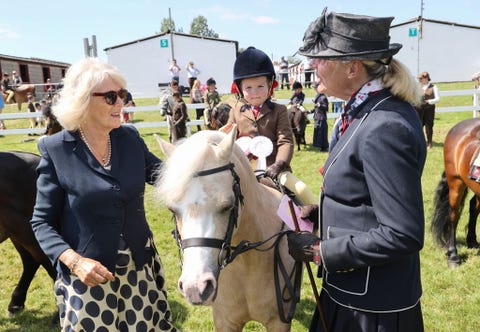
<point x="116" y="187"/>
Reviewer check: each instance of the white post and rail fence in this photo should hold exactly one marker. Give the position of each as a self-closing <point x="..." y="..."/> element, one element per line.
<point x="475" y="108"/>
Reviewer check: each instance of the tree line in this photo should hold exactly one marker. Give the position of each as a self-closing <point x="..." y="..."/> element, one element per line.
<point x="199" y="26"/>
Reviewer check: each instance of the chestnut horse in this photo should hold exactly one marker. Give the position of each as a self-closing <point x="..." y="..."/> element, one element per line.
<point x="204" y="182"/>
<point x="461" y="142"/>
<point x="20" y="95"/>
<point x="17" y="197"/>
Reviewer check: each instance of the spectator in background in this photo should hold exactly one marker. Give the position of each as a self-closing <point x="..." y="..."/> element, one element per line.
<point x="127" y="117"/>
<point x="284" y="81"/>
<point x="308" y="74"/>
<point x="179" y="117"/>
<point x="16" y="80"/>
<point x="320" y="125"/>
<point x="32" y="108"/>
<point x="298" y="96"/>
<point x="426" y="109"/>
<point x="174" y="70"/>
<point x="212" y="99"/>
<point x="7" y="87"/>
<point x="276" y="68"/>
<point x="192" y="74"/>
<point x="197" y="98"/>
<point x="49" y="88"/>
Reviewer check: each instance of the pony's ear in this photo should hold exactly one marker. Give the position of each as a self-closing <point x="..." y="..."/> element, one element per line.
<point x="226" y="145"/>
<point x="166" y="147"/>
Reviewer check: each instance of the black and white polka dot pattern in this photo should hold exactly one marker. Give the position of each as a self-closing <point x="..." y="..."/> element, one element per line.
<point x="135" y="301"/>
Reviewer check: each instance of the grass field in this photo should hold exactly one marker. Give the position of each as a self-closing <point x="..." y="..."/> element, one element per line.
<point x="450" y="301"/>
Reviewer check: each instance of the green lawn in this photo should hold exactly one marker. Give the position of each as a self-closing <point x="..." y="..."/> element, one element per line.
<point x="450" y="301"/>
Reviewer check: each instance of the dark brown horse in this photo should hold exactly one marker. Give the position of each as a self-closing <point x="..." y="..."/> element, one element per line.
<point x="219" y="116"/>
<point x="17" y="198"/>
<point x="460" y="145"/>
<point x="21" y="94"/>
<point x="298" y="121"/>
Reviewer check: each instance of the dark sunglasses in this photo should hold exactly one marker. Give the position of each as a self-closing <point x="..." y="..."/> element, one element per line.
<point x="111" y="96"/>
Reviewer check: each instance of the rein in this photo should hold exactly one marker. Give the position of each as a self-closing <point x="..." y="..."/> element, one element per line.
<point x="228" y="252"/>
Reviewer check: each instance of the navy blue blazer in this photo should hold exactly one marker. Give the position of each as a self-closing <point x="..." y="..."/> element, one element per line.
<point x="371" y="209"/>
<point x="82" y="206"/>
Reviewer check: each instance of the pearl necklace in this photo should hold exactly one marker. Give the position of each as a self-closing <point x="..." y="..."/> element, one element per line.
<point x="105" y="159"/>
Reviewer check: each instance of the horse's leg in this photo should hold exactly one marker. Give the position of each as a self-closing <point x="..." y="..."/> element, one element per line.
<point x="30" y="267"/>
<point x="225" y="322"/>
<point x="278" y="325"/>
<point x="457" y="190"/>
<point x="472" y="222"/>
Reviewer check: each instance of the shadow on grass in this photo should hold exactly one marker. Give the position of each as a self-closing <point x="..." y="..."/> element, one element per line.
<point x="30" y="321"/>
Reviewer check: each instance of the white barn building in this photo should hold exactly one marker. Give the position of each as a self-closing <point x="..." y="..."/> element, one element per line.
<point x="449" y="51"/>
<point x="145" y="62"/>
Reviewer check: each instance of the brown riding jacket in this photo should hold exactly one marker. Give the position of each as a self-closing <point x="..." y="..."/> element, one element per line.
<point x="272" y="122"/>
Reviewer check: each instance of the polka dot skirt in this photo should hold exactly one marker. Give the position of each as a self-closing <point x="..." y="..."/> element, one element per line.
<point x="135" y="301"/>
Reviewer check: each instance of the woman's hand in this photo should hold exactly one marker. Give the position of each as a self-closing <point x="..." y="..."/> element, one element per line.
<point x="89" y="271"/>
<point x="92" y="272"/>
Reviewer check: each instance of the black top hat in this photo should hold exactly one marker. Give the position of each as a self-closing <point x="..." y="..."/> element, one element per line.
<point x="252" y="63"/>
<point x="348" y="37"/>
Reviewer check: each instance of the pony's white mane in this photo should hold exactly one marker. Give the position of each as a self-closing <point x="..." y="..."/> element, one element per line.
<point x="189" y="156"/>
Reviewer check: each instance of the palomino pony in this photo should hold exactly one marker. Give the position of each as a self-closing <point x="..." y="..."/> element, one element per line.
<point x="460" y="145"/>
<point x="17" y="197"/>
<point x="204" y="182"/>
<point x="20" y="95"/>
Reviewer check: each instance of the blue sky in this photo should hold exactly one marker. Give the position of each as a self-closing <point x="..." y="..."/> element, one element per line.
<point x="55" y="30"/>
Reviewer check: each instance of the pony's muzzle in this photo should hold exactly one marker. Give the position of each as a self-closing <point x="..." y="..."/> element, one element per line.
<point x="199" y="291"/>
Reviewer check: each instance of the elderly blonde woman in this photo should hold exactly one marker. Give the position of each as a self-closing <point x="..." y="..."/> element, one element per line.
<point x="89" y="214"/>
<point x="371" y="206"/>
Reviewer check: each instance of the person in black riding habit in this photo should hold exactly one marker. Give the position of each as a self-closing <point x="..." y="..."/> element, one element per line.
<point x="370" y="215"/>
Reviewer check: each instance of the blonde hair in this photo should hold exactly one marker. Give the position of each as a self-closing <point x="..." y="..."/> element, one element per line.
<point x="81" y="79"/>
<point x="395" y="77"/>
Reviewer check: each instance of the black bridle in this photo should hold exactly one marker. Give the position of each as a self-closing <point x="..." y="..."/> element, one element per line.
<point x="228" y="252"/>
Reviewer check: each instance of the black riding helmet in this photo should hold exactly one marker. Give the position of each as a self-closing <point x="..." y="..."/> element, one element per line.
<point x="297" y="85"/>
<point x="252" y="63"/>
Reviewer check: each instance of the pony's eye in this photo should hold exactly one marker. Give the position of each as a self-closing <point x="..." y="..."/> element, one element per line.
<point x="226" y="209"/>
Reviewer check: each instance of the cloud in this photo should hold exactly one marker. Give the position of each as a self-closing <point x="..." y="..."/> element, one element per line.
<point x="6" y="32"/>
<point x="264" y="20"/>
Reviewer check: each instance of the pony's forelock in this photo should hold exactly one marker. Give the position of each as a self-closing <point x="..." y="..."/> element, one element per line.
<point x="188" y="157"/>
